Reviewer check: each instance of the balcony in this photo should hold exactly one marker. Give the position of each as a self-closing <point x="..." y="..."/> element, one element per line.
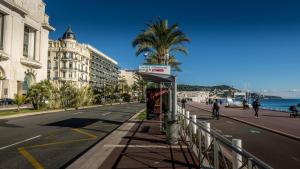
<point x="31" y="63"/>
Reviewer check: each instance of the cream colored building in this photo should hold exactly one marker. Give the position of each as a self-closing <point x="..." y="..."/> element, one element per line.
<point x="24" y="30"/>
<point x="68" y="60"/>
<point x="128" y="75"/>
<point x="79" y="63"/>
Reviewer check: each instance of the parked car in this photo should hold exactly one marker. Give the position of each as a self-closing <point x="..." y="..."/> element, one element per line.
<point x="7" y="101"/>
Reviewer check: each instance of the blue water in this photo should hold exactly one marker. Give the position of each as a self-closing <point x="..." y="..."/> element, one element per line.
<point x="279" y="104"/>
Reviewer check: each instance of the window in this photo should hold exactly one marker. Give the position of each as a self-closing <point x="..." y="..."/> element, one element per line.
<point x="70" y="65"/>
<point x="29" y="43"/>
<point x="64" y="74"/>
<point x="70" y="75"/>
<point x="56" y="74"/>
<point x="56" y="64"/>
<point x="1" y="30"/>
<point x="49" y="64"/>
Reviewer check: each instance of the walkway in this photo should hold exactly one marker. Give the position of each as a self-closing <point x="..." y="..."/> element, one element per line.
<point x="145" y="146"/>
<point x="278" y="122"/>
<point x="278" y="151"/>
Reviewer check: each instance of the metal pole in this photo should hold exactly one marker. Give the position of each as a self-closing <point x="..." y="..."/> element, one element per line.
<point x="174" y="93"/>
<point x="194" y="120"/>
<point x="160" y="106"/>
<point x="207" y="135"/>
<point x="187" y="118"/>
<point x="200" y="148"/>
<point x="237" y="158"/>
<point x="216" y="154"/>
<point x="250" y="163"/>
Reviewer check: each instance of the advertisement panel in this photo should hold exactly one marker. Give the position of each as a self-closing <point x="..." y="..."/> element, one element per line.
<point x="155" y="69"/>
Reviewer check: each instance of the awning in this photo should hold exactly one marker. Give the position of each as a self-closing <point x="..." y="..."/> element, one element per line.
<point x="157" y="78"/>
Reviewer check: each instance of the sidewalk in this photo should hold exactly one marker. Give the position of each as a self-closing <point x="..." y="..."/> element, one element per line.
<point x="278" y="122"/>
<point x="14" y="107"/>
<point x="137" y="144"/>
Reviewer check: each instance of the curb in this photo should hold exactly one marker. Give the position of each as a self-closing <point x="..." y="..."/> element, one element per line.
<point x="54" y="111"/>
<point x="93" y="158"/>
<point x="256" y="125"/>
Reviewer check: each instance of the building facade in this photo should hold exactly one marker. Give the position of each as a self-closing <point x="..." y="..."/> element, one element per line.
<point x="24" y="30"/>
<point x="103" y="69"/>
<point x="128" y="76"/>
<point x="80" y="64"/>
<point x="68" y="60"/>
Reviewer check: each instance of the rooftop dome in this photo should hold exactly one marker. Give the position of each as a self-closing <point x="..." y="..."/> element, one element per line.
<point x="69" y="34"/>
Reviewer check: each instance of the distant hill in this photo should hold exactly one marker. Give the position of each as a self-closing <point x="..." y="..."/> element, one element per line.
<point x="184" y="87"/>
<point x="217" y="90"/>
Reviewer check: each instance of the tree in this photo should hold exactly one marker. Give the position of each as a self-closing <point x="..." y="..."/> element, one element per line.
<point x="39" y="93"/>
<point x="19" y="100"/>
<point x="161" y="42"/>
<point x="122" y="83"/>
<point x="69" y="95"/>
<point x="141" y="84"/>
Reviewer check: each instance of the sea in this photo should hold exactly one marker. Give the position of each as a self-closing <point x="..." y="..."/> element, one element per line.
<point x="279" y="104"/>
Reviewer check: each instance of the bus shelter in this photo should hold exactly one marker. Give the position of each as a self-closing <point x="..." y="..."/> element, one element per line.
<point x="166" y="85"/>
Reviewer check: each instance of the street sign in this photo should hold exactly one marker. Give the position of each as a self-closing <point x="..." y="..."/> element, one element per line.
<point x="155" y="69"/>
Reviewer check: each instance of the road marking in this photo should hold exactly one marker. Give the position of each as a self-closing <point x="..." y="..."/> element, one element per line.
<point x="2" y="148"/>
<point x="296" y="159"/>
<point x="78" y="113"/>
<point x="59" y="142"/>
<point x="106" y="114"/>
<point x="85" y="133"/>
<point x="143" y="146"/>
<point x="230" y="122"/>
<point x="30" y="158"/>
<point x="254" y="131"/>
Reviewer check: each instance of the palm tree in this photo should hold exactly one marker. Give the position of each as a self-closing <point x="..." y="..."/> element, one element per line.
<point x="161" y="43"/>
<point x="20" y="100"/>
<point x="173" y="62"/>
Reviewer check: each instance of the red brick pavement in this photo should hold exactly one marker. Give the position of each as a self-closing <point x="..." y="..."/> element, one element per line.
<point x="145" y="147"/>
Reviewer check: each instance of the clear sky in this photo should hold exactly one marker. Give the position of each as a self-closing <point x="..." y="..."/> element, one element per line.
<point x="251" y="44"/>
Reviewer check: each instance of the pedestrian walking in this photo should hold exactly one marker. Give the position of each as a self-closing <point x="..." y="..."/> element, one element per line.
<point x="183" y="101"/>
<point x="256" y="105"/>
<point x="294" y="111"/>
<point x="215" y="110"/>
<point x="245" y="104"/>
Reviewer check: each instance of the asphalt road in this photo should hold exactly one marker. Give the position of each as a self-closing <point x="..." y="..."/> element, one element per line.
<point x="278" y="151"/>
<point x="54" y="140"/>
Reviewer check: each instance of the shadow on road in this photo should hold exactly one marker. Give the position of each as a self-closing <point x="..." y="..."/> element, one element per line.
<point x="3" y="123"/>
<point x="80" y="122"/>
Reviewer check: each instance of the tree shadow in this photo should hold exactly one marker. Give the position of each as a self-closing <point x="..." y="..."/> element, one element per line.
<point x="80" y="122"/>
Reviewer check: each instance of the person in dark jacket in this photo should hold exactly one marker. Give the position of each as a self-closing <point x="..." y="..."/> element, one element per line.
<point x="294" y="111"/>
<point x="183" y="102"/>
<point x="215" y="109"/>
<point x="256" y="105"/>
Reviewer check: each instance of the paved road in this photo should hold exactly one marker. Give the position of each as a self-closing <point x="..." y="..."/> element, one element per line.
<point x="276" y="150"/>
<point x="54" y="140"/>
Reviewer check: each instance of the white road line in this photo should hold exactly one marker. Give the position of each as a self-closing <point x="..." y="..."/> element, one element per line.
<point x="229" y="122"/>
<point x="106" y="114"/>
<point x="143" y="146"/>
<point x="2" y="148"/>
<point x="296" y="159"/>
<point x="78" y="113"/>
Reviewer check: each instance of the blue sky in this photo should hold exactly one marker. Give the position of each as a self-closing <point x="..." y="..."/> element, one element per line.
<point x="249" y="43"/>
